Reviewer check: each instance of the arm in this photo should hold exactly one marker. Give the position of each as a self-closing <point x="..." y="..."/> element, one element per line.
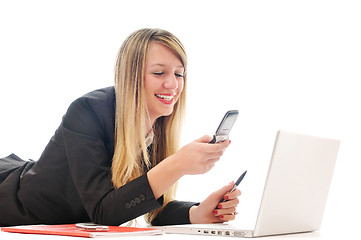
<point x="195" y="158"/>
<point x="90" y="167"/>
<point x="208" y="211"/>
<point x="174" y="213"/>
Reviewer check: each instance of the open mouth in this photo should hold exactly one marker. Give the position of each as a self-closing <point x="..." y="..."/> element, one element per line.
<point x="165" y="98"/>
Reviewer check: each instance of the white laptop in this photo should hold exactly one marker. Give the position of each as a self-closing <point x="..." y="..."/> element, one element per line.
<point x="295" y="192"/>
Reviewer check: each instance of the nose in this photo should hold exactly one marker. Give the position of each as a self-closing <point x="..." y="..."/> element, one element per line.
<point x="171" y="82"/>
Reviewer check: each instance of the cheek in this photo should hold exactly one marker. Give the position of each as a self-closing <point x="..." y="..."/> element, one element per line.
<point x="180" y="89"/>
<point x="180" y="86"/>
<point x="149" y="85"/>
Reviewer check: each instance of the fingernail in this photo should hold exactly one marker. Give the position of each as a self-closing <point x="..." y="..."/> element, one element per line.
<point x="225" y="197"/>
<point x="215" y="212"/>
<point x="221" y="216"/>
<point x="219" y="206"/>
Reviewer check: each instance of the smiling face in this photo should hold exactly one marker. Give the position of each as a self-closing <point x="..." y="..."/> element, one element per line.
<point x="163" y="80"/>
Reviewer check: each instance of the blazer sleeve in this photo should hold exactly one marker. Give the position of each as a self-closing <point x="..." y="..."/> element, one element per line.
<point x="174" y="213"/>
<point x="90" y="167"/>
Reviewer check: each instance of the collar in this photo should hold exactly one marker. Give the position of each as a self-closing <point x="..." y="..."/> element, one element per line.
<point x="149" y="138"/>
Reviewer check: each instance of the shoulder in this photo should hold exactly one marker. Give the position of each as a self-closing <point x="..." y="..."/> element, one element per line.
<point x="103" y="96"/>
<point x="92" y="109"/>
<point x="103" y="99"/>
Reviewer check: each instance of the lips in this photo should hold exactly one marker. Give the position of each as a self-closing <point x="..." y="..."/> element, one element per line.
<point x="165" y="98"/>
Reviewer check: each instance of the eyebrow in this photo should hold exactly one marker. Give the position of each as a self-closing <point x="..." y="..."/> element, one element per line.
<point x="162" y="65"/>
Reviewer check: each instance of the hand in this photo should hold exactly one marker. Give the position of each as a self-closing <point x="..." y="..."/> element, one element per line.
<point x="199" y="156"/>
<point x="195" y="158"/>
<point x="211" y="211"/>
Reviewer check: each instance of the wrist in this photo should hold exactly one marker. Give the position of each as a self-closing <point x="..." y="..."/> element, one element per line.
<point x="176" y="165"/>
<point x="193" y="215"/>
<point x="163" y="176"/>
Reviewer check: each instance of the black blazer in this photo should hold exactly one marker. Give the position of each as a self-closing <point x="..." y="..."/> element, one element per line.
<point x="71" y="182"/>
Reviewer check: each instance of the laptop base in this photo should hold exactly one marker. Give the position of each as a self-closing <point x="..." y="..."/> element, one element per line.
<point x="208" y="229"/>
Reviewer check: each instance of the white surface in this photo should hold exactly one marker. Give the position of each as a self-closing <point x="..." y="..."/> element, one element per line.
<point x="292" y="65"/>
<point x="314" y="235"/>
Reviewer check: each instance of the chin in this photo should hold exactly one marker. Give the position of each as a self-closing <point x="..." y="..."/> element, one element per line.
<point x="166" y="113"/>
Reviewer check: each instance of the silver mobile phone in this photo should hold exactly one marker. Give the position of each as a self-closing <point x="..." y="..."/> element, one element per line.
<point x="225" y="126"/>
<point x="92" y="227"/>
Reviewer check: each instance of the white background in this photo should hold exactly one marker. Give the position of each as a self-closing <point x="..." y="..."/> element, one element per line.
<point x="292" y="65"/>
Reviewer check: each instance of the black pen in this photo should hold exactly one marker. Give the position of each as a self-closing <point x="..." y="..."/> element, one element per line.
<point x="239" y="180"/>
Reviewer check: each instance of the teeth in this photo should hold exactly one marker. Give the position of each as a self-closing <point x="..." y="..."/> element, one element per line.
<point x="168" y="98"/>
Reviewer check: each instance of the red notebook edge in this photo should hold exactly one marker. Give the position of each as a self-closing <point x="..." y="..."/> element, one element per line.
<point x="72" y="230"/>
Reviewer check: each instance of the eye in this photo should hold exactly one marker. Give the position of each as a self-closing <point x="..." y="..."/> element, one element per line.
<point x="179" y="75"/>
<point x="158" y="73"/>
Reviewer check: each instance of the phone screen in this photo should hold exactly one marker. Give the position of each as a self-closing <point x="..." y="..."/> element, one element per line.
<point x="225" y="126"/>
<point x="227" y="122"/>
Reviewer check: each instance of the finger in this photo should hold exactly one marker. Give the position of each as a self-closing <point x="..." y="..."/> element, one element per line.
<point x="226" y="211"/>
<point x="204" y="139"/>
<point x="218" y="147"/>
<point x="228" y="204"/>
<point x="227" y="218"/>
<point x="212" y="160"/>
<point x="218" y="195"/>
<point x="232" y="195"/>
<point x="214" y="155"/>
<point x="209" y="167"/>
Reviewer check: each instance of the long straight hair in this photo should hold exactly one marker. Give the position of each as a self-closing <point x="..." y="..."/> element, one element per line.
<point x="131" y="156"/>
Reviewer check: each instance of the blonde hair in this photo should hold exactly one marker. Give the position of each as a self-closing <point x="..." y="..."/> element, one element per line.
<point x="131" y="156"/>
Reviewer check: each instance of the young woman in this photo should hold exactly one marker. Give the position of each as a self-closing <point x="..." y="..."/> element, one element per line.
<point x="115" y="154"/>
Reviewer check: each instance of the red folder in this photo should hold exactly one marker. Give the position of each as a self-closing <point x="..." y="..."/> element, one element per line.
<point x="71" y="230"/>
